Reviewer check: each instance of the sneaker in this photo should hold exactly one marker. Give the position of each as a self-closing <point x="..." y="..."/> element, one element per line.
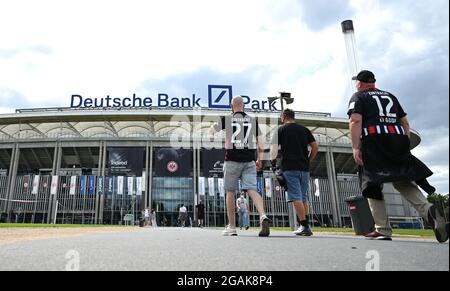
<point x="375" y="235"/>
<point x="437" y="222"/>
<point x="299" y="230"/>
<point x="247" y="227"/>
<point x="303" y="231"/>
<point x="229" y="231"/>
<point x="265" y="227"/>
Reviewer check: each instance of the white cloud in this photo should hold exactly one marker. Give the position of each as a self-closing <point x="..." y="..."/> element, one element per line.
<point x="53" y="49"/>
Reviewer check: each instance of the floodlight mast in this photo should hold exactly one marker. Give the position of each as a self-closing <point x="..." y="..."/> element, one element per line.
<point x="353" y="65"/>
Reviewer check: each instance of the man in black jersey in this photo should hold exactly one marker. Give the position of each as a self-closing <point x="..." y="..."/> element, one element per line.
<point x="292" y="140"/>
<point x="243" y="145"/>
<point x="380" y="134"/>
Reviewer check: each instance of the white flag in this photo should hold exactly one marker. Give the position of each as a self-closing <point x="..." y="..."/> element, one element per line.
<point x="316" y="185"/>
<point x="221" y="186"/>
<point x="143" y="180"/>
<point x="120" y="185"/>
<point x="73" y="185"/>
<point x="201" y="186"/>
<point x="54" y="185"/>
<point x="130" y="186"/>
<point x="211" y="187"/>
<point x="139" y="186"/>
<point x="269" y="189"/>
<point x="35" y="185"/>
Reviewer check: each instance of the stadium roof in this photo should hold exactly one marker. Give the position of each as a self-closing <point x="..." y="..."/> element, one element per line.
<point x="67" y="123"/>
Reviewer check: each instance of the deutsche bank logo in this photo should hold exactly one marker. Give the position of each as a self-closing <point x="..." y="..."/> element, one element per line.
<point x="219" y="96"/>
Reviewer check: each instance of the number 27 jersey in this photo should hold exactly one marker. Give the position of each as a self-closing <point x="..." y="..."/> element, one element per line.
<point x="242" y="131"/>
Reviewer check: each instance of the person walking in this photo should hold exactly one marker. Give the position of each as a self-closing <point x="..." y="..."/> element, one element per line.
<point x="182" y="215"/>
<point x="146" y="217"/>
<point x="292" y="140"/>
<point x="380" y="133"/>
<point x="242" y="207"/>
<point x="153" y="218"/>
<point x="200" y="213"/>
<point x="244" y="146"/>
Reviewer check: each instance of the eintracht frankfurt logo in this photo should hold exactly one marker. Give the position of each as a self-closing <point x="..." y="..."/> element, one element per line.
<point x="172" y="167"/>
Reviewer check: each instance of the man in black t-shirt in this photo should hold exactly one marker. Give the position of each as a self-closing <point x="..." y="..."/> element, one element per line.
<point x="243" y="145"/>
<point x="380" y="134"/>
<point x="292" y="140"/>
<point x="200" y="213"/>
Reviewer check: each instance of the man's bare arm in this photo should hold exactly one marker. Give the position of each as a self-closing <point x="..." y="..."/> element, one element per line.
<point x="314" y="151"/>
<point x="355" y="127"/>
<point x="405" y="123"/>
<point x="273" y="152"/>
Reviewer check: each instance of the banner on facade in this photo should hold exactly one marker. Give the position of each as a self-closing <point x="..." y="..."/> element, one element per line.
<point x="201" y="186"/>
<point x="83" y="185"/>
<point x="269" y="189"/>
<point x="317" y="187"/>
<point x="130" y="185"/>
<point x="100" y="184"/>
<point x="73" y="185"/>
<point x="45" y="182"/>
<point x="211" y="187"/>
<point x="54" y="185"/>
<point x="170" y="162"/>
<point x="143" y="180"/>
<point x="35" y="185"/>
<point x="220" y="183"/>
<point x="110" y="185"/>
<point x="91" y="189"/>
<point x="120" y="185"/>
<point x="139" y="186"/>
<point x="125" y="161"/>
<point x="259" y="185"/>
<point x="212" y="163"/>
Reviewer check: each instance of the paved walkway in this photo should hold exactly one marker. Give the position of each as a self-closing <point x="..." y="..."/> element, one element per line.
<point x="203" y="249"/>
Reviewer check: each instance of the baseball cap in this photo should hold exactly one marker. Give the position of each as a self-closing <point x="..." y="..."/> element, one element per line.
<point x="365" y="76"/>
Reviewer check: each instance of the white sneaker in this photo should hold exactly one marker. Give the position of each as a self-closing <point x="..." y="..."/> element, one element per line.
<point x="229" y="231"/>
<point x="299" y="230"/>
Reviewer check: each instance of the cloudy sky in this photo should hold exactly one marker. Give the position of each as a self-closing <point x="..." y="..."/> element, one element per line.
<point x="50" y="50"/>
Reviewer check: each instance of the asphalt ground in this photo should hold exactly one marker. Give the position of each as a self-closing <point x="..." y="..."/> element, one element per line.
<point x="193" y="249"/>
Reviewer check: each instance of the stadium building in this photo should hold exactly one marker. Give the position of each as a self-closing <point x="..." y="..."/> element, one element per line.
<point x="91" y="164"/>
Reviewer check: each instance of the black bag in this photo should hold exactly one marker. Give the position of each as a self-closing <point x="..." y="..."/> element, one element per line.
<point x="280" y="178"/>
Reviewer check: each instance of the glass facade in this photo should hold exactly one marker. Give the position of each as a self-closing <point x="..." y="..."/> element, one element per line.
<point x="168" y="194"/>
<point x="178" y="176"/>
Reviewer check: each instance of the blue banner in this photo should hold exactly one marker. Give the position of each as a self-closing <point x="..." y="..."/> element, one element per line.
<point x="260" y="186"/>
<point x="92" y="180"/>
<point x="83" y="185"/>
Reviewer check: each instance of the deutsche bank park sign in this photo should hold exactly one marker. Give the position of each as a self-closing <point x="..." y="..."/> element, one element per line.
<point x="219" y="97"/>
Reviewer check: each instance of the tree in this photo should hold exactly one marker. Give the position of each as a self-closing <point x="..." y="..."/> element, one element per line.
<point x="441" y="202"/>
